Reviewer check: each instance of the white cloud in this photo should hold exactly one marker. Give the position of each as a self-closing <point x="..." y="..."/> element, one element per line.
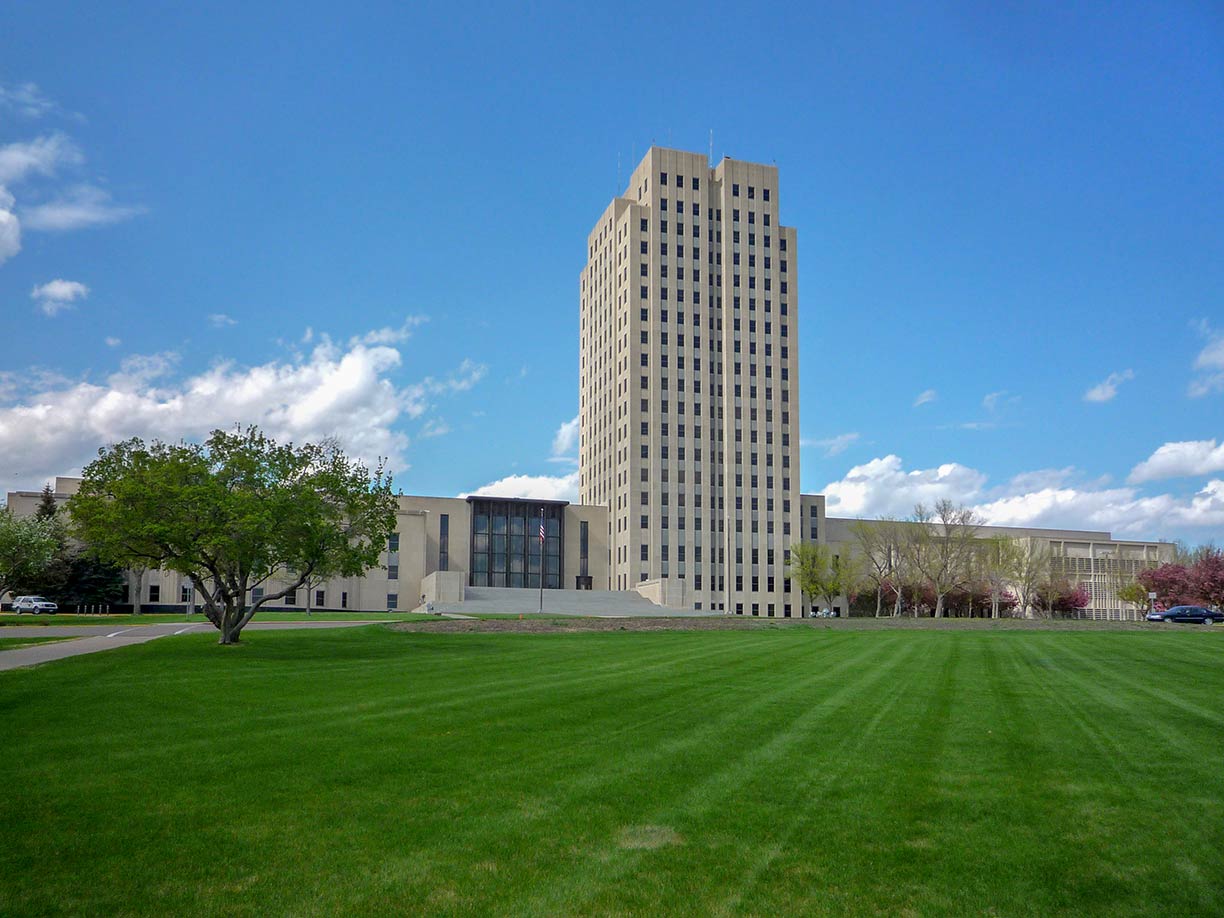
<point x="79" y="207"/>
<point x="1043" y="499"/>
<point x="1122" y="511"/>
<point x="27" y="100"/>
<point x="566" y="440"/>
<point x="925" y="397"/>
<point x="40" y="156"/>
<point x="1183" y="459"/>
<point x="388" y="335"/>
<point x="55" y="425"/>
<point x="55" y="296"/>
<point x="833" y="446"/>
<point x="221" y="320"/>
<point x="10" y="227"/>
<point x="883" y="487"/>
<point x="112" y="341"/>
<point x="1209" y="364"/>
<point x="1104" y="391"/>
<point x="533" y="487"/>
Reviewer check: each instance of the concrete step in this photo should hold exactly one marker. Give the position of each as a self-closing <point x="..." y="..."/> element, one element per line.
<point x="598" y="603"/>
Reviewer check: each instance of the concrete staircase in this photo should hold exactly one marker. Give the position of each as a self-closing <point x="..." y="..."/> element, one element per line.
<point x="596" y="603"/>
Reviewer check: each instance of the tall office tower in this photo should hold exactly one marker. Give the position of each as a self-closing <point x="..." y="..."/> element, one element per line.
<point x="689" y="401"/>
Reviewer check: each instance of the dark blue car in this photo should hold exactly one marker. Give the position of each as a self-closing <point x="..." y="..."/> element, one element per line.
<point x="1196" y="614"/>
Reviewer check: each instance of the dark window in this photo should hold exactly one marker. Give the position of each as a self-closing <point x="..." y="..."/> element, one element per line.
<point x="393" y="542"/>
<point x="444" y="542"/>
<point x="155" y="592"/>
<point x="393" y="572"/>
<point x="392" y="601"/>
<point x="506" y="545"/>
<point x="320" y="599"/>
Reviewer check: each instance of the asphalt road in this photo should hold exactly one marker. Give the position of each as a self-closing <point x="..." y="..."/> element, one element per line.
<point x="95" y="638"/>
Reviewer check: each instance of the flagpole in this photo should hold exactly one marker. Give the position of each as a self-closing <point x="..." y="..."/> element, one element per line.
<point x="541" y="560"/>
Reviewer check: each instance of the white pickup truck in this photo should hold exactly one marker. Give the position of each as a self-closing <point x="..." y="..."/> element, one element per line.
<point x="35" y="604"/>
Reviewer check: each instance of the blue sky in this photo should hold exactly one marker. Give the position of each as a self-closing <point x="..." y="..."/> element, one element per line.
<point x="369" y="220"/>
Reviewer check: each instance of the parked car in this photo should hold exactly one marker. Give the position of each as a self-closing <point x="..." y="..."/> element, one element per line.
<point x="35" y="604"/>
<point x="1195" y="614"/>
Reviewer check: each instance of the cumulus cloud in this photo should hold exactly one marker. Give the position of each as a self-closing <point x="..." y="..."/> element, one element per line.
<point x="883" y="487"/>
<point x="1122" y="511"/>
<point x="55" y="296"/>
<point x="112" y="341"/>
<point x="1105" y="390"/>
<point x="78" y="207"/>
<point x="1182" y="459"/>
<point x="532" y="487"/>
<point x="565" y="442"/>
<point x="221" y="320"/>
<point x="1044" y="499"/>
<point x="925" y="397"/>
<point x="1209" y="365"/>
<point x="53" y="425"/>
<point x="833" y="446"/>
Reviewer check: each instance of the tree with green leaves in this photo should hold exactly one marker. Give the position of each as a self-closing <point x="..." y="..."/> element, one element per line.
<point x="235" y="513"/>
<point x="821" y="574"/>
<point x="1135" y="593"/>
<point x="47" y="507"/>
<point x="27" y="548"/>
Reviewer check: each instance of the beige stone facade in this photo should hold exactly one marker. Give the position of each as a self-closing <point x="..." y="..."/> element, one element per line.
<point x="433" y="536"/>
<point x="688" y="400"/>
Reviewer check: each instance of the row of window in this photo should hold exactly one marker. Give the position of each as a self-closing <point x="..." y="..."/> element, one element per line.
<point x="644" y="223"/>
<point x="696" y="186"/>
<point x="644" y="246"/>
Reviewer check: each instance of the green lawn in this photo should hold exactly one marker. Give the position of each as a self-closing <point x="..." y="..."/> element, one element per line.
<point x="12" y="618"/>
<point x="16" y="643"/>
<point x="766" y="772"/>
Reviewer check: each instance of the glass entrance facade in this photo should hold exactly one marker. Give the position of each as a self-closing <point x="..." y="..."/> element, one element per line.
<point x="506" y="543"/>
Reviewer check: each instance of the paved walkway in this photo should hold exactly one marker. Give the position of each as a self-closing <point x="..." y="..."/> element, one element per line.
<point x="95" y="638"/>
